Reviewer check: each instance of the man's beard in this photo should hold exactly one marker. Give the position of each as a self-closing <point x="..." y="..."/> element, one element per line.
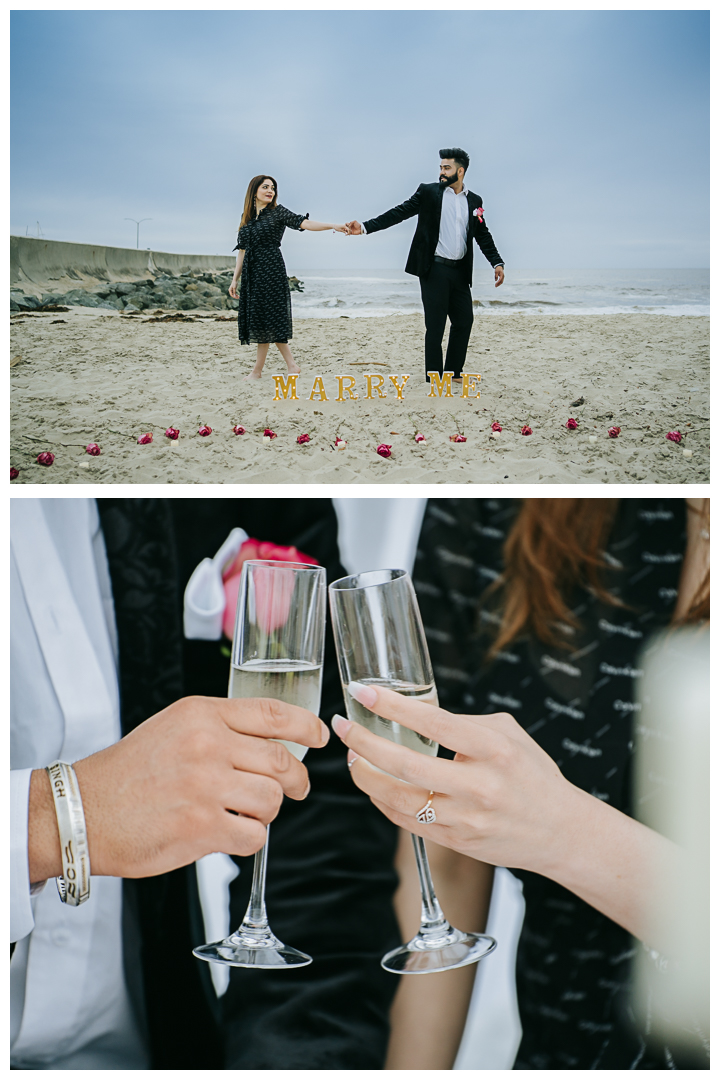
<point x="449" y="179"/>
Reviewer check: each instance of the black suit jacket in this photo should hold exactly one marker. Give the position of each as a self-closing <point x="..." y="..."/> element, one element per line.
<point x="427" y="204"/>
<point x="330" y="872"/>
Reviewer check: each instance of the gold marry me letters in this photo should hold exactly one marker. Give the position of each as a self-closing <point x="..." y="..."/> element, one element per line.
<point x="440" y="386"/>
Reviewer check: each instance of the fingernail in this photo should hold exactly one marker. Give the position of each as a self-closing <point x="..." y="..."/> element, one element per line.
<point x="307" y="791"/>
<point x="366" y="695"/>
<point x="325" y="733"/>
<point x="340" y="725"/>
<point x="352" y="758"/>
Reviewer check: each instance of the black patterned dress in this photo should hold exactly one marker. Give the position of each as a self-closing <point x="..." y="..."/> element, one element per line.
<point x="573" y="963"/>
<point x="265" y="312"/>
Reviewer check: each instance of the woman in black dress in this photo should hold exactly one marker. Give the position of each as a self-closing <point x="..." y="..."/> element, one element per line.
<point x="265" y="313"/>
<point x="550" y="791"/>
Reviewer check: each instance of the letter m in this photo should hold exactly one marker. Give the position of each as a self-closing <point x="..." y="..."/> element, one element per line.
<point x="440" y="387"/>
<point x="284" y="386"/>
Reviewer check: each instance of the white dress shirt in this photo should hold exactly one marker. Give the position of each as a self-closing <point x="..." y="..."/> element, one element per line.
<point x="452" y="242"/>
<point x="69" y="1002"/>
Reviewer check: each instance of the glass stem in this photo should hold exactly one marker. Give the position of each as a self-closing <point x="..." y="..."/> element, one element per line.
<point x="256" y="915"/>
<point x="433" y="921"/>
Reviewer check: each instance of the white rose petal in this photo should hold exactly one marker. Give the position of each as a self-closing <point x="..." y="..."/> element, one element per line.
<point x="687" y="453"/>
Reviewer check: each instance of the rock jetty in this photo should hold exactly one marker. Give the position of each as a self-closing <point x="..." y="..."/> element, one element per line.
<point x="181" y="292"/>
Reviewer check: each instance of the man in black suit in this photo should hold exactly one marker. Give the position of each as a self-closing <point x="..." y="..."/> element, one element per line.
<point x="450" y="216"/>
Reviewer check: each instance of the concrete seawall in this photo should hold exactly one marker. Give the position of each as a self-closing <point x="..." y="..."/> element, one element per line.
<point x="37" y="265"/>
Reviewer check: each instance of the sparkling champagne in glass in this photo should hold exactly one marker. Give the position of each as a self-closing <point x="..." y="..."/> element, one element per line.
<point x="380" y="641"/>
<point x="277" y="653"/>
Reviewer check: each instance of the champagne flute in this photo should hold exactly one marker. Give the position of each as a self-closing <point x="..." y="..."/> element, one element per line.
<point x="277" y="653"/>
<point x="380" y="641"/>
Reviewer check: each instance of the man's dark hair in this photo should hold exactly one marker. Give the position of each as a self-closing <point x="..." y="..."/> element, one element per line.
<point x="459" y="156"/>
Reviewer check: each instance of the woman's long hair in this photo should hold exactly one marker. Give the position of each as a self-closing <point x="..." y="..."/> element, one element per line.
<point x="249" y="209"/>
<point x="554" y="546"/>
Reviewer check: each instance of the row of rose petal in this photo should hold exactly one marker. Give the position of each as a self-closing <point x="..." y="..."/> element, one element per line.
<point x="384" y="449"/>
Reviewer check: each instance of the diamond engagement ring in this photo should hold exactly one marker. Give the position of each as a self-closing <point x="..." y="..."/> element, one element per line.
<point x="426" y="816"/>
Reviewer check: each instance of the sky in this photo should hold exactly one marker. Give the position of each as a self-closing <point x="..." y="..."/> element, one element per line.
<point x="588" y="131"/>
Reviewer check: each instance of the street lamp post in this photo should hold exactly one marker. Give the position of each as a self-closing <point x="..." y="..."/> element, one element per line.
<point x="137" y="242"/>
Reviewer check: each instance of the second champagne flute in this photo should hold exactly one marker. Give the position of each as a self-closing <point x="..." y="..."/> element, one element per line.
<point x="380" y="641"/>
<point x="277" y="653"/>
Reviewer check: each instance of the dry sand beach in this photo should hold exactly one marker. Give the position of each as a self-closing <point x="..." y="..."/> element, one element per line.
<point x="84" y="376"/>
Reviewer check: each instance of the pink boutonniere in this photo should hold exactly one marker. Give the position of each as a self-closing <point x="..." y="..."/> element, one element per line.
<point x="478" y="213"/>
<point x="272" y="609"/>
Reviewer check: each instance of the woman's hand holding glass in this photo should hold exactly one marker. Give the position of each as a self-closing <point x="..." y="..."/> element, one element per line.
<point x="502" y="800"/>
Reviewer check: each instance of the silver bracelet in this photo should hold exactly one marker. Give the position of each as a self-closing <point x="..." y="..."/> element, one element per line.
<point x="74" y="885"/>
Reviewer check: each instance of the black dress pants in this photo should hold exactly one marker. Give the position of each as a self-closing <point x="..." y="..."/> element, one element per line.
<point x="446" y="294"/>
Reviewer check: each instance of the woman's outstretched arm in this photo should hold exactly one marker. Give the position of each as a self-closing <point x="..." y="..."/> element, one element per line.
<point x="320" y="226"/>
<point x="428" y="1014"/>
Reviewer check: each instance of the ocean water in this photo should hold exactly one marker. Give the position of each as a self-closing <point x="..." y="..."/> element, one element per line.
<point x="333" y="293"/>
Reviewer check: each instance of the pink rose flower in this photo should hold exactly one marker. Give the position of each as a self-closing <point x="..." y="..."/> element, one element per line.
<point x="479" y="213"/>
<point x="204" y="430"/>
<point x="420" y="438"/>
<point x="93" y="449"/>
<point x="674" y="436"/>
<point x="239" y="429"/>
<point x="303" y="439"/>
<point x="340" y="444"/>
<point x="571" y="424"/>
<point x="46" y="458"/>
<point x="495" y="426"/>
<point x="270" y="610"/>
<point x="145" y="439"/>
<point x="268" y="433"/>
<point x="526" y="430"/>
<point x="458" y="438"/>
<point x="384" y="450"/>
<point x="613" y="432"/>
<point x="172" y="433"/>
<point x="14" y="473"/>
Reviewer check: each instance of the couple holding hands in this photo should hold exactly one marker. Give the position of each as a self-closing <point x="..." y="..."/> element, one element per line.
<point x="449" y="216"/>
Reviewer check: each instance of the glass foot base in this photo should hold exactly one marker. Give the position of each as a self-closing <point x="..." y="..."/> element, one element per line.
<point x="438" y="952"/>
<point x="250" y="950"/>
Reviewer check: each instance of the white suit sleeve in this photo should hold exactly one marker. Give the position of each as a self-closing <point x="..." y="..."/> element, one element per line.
<point x="22" y="919"/>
